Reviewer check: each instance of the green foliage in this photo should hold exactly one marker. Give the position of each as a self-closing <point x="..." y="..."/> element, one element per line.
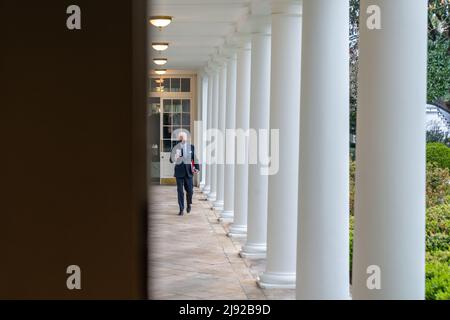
<point x="437" y="275"/>
<point x="438" y="50"/>
<point x="438" y="228"/>
<point x="438" y="153"/>
<point x="438" y="69"/>
<point x="438" y="18"/>
<point x="438" y="187"/>
<point x="435" y="134"/>
<point x="354" y="61"/>
<point x="352" y="231"/>
<point x="352" y="187"/>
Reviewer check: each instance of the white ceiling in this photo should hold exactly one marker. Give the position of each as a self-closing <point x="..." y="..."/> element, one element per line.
<point x="198" y="29"/>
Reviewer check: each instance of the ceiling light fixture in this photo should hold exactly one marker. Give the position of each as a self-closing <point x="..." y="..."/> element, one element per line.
<point x="160" y="61"/>
<point x="160" y="71"/>
<point x="160" y="46"/>
<point x="160" y="21"/>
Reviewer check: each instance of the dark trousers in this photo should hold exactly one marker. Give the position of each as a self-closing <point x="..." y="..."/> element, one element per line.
<point x="188" y="184"/>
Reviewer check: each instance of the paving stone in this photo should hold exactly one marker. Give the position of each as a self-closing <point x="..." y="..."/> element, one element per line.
<point x="193" y="258"/>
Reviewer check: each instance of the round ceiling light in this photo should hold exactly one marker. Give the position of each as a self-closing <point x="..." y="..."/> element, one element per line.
<point x="159" y="81"/>
<point x="160" y="71"/>
<point x="160" y="21"/>
<point x="160" y="46"/>
<point x="160" y="61"/>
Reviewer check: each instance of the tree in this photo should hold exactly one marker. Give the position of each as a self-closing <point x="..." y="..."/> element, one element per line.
<point x="354" y="53"/>
<point x="438" y="51"/>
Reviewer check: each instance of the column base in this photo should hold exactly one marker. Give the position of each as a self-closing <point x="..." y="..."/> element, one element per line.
<point x="254" y="251"/>
<point x="276" y="280"/>
<point x="202" y="186"/>
<point x="218" y="205"/>
<point x="226" y="216"/>
<point x="237" y="231"/>
<point x="206" y="191"/>
<point x="212" y="197"/>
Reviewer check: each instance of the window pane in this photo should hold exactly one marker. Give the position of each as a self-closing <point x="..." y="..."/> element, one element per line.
<point x="176" y="106"/>
<point x="166" y="85"/>
<point x="153" y="85"/>
<point x="167" y="145"/>
<point x="167" y="106"/>
<point x="167" y="132"/>
<point x="167" y="119"/>
<point x="176" y="119"/>
<point x="175" y="85"/>
<point x="186" y="85"/>
<point x="186" y="106"/>
<point x="186" y="119"/>
<point x="156" y="85"/>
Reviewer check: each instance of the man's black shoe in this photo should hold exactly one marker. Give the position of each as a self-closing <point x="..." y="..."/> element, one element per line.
<point x="181" y="213"/>
<point x="188" y="209"/>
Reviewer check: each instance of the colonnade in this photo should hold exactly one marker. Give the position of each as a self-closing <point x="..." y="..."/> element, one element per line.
<point x="287" y="70"/>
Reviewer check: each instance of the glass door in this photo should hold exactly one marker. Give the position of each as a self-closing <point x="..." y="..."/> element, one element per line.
<point x="153" y="138"/>
<point x="175" y="117"/>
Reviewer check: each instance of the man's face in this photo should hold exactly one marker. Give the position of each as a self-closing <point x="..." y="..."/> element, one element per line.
<point x="182" y="137"/>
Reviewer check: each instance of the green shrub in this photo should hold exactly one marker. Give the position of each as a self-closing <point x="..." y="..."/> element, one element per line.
<point x="438" y="153"/>
<point x="352" y="228"/>
<point x="438" y="228"/>
<point x="438" y="187"/>
<point x="437" y="285"/>
<point x="352" y="187"/>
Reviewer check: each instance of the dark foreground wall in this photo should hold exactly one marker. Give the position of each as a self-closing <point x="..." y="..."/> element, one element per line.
<point x="72" y="157"/>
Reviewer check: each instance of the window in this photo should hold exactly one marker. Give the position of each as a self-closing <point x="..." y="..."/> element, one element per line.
<point x="176" y="116"/>
<point x="175" y="85"/>
<point x="170" y="85"/>
<point x="185" y="85"/>
<point x="186" y="106"/>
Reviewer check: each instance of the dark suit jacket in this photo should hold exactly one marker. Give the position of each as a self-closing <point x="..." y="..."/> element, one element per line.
<point x="185" y="169"/>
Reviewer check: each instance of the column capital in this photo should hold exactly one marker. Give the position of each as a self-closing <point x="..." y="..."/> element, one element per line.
<point x="229" y="52"/>
<point x="287" y="7"/>
<point x="214" y="64"/>
<point x="239" y="40"/>
<point x="220" y="61"/>
<point x="208" y="71"/>
<point x="259" y="24"/>
<point x="261" y="7"/>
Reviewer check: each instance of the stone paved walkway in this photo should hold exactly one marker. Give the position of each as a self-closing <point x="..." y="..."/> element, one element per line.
<point x="191" y="257"/>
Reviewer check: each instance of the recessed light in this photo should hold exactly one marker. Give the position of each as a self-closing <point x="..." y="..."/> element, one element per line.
<point x="160" y="21"/>
<point x="160" y="61"/>
<point x="160" y="46"/>
<point x="160" y="71"/>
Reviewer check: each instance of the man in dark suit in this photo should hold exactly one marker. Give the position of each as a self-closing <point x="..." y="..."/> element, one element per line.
<point x="186" y="165"/>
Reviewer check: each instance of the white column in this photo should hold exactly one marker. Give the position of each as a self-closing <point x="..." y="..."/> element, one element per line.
<point x="323" y="226"/>
<point x="199" y="142"/>
<point x="389" y="243"/>
<point x="218" y="204"/>
<point x="239" y="226"/>
<point x="214" y="124"/>
<point x="228" y="211"/>
<point x="204" y="117"/>
<point x="285" y="117"/>
<point x="259" y="120"/>
<point x="207" y="188"/>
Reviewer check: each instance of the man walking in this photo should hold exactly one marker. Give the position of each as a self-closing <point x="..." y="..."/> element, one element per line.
<point x="183" y="155"/>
